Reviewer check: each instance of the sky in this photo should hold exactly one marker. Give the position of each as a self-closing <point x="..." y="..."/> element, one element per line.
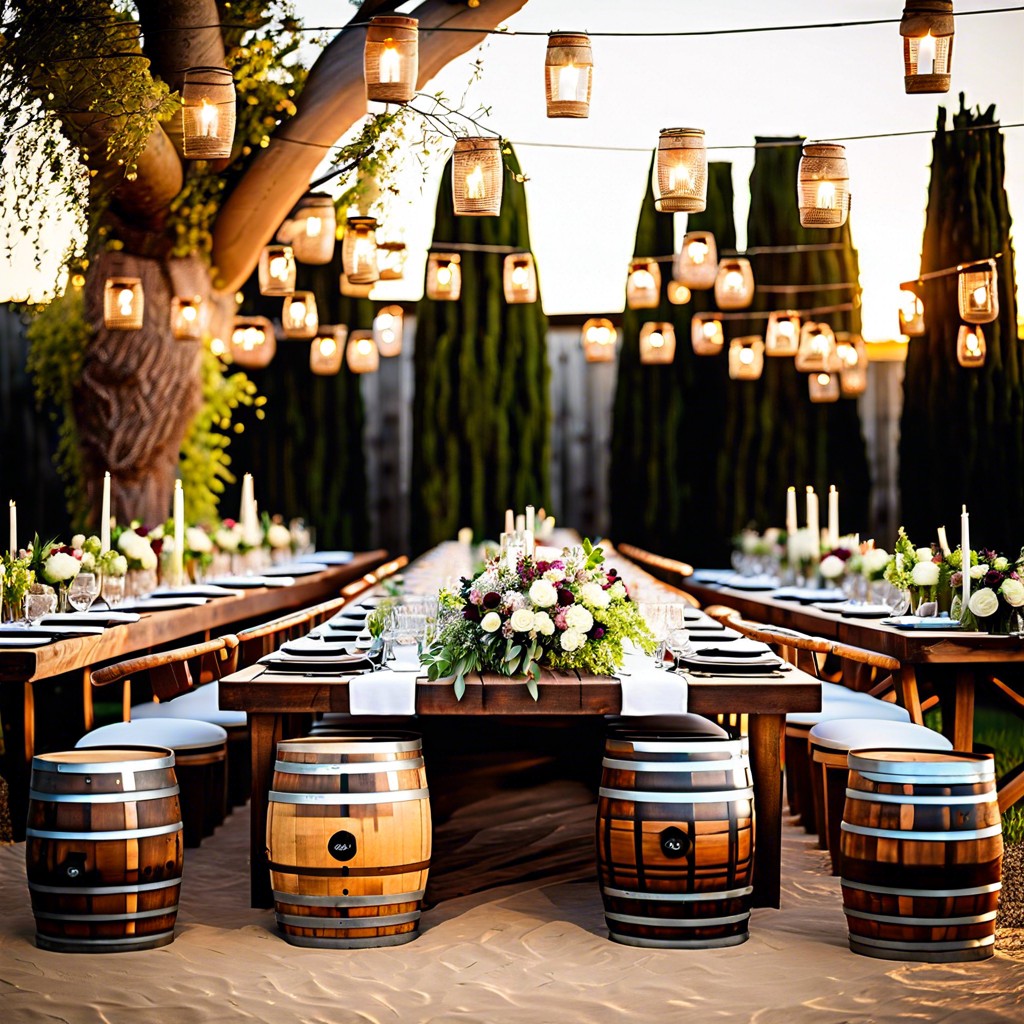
<point x="820" y="83"/>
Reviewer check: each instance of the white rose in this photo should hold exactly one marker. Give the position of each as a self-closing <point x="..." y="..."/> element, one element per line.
<point x="523" y="620"/>
<point x="874" y="561"/>
<point x="832" y="567"/>
<point x="543" y="593"/>
<point x="156" y="533"/>
<point x="924" y="554"/>
<point x="983" y="602"/>
<point x="925" y="574"/>
<point x="579" y="619"/>
<point x="117" y="566"/>
<point x="491" y="622"/>
<point x="543" y="623"/>
<point x="279" y="536"/>
<point x="978" y="571"/>
<point x="227" y="540"/>
<point x="555" y="575"/>
<point x="595" y="595"/>
<point x="1002" y="564"/>
<point x="78" y="541"/>
<point x="570" y="640"/>
<point x="771" y="535"/>
<point x="1013" y="592"/>
<point x="126" y="540"/>
<point x="61" y="567"/>
<point x="617" y="591"/>
<point x="88" y="561"/>
<point x="147" y="557"/>
<point x="198" y="540"/>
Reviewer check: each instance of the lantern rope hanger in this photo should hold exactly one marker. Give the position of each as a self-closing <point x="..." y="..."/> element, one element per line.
<point x="949" y="271"/>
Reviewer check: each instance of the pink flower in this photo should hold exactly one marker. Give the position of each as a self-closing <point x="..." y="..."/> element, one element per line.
<point x="559" y="618"/>
<point x="475" y="597"/>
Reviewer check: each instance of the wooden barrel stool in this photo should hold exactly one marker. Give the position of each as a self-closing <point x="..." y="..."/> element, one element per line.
<point x="200" y="759"/>
<point x="922" y="851"/>
<point x="830" y="743"/>
<point x="675" y="836"/>
<point x="104" y="849"/>
<point x="348" y="839"/>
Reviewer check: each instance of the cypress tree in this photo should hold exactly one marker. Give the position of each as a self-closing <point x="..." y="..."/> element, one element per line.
<point x="307" y="453"/>
<point x="481" y="411"/>
<point x="962" y="430"/>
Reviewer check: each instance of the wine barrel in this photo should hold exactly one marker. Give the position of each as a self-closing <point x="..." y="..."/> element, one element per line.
<point x="348" y="837"/>
<point x="921" y="855"/>
<point x="104" y="849"/>
<point x="675" y="839"/>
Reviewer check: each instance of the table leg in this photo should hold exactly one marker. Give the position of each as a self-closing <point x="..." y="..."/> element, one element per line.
<point x="766" y="768"/>
<point x="963" y="703"/>
<point x="909" y="694"/>
<point x="264" y="732"/>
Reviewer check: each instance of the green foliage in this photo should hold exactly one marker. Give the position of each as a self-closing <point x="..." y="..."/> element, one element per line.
<point x="204" y="464"/>
<point x="481" y="412"/>
<point x="971" y="419"/>
<point x="58" y="337"/>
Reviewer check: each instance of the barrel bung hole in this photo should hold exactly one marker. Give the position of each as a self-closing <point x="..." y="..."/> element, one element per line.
<point x="344" y="892"/>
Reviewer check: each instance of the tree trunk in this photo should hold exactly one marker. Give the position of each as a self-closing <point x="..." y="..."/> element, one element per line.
<point x="138" y="390"/>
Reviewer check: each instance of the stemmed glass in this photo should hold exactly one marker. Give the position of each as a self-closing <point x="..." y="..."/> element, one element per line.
<point x="112" y="590"/>
<point x="84" y="589"/>
<point x="38" y="605"/>
<point x="668" y="624"/>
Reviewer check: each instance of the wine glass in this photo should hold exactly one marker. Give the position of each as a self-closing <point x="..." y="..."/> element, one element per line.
<point x="38" y="605"/>
<point x="678" y="638"/>
<point x="84" y="589"/>
<point x="112" y="590"/>
<point x="657" y="618"/>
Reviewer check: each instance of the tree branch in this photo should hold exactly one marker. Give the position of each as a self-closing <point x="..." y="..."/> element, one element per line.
<point x="333" y="99"/>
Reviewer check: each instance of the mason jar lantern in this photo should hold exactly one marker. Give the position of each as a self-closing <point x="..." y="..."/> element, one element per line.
<point x="568" y="74"/>
<point x="681" y="171"/>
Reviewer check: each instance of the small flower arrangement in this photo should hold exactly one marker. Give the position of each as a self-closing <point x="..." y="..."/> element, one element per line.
<point x="139" y="547"/>
<point x="228" y="537"/>
<point x="278" y="537"/>
<point x="569" y="613"/>
<point x="996" y="588"/>
<point x="18" y="577"/>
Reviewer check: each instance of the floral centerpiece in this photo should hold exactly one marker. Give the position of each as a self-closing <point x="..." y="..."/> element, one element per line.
<point x="142" y="553"/>
<point x="18" y="577"/>
<point x="199" y="549"/>
<point x="996" y="588"/>
<point x="569" y="613"/>
<point x="56" y="564"/>
<point x="278" y="538"/>
<point x="924" y="573"/>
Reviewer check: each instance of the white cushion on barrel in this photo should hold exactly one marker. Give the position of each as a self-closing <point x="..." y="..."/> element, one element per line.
<point x="176" y="733"/>
<point x="647" y="690"/>
<point x="202" y="704"/>
<point x="855" y="733"/>
<point x="849" y="705"/>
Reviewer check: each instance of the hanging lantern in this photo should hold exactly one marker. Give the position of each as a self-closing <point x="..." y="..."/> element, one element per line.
<point x="477" y="177"/>
<point x="678" y="294"/>
<point x="444" y="276"/>
<point x="123" y="303"/>
<point x="598" y="340"/>
<point x="313" y="229"/>
<point x="734" y="284"/>
<point x="782" y="335"/>
<point x="326" y="350"/>
<point x="706" y="335"/>
<point x="362" y="355"/>
<point x="352" y="290"/>
<point x="643" y="286"/>
<point x="746" y="357"/>
<point x="817" y="351"/>
<point x="824" y="189"/>
<point x="823" y="387"/>
<point x="359" y="250"/>
<point x="277" y="270"/>
<point x="391" y="260"/>
<point x="252" y="341"/>
<point x="207" y="114"/>
<point x="387" y="330"/>
<point x="853" y="359"/>
<point x="970" y="346"/>
<point x="696" y="264"/>
<point x="927" y="30"/>
<point x="520" y="278"/>
<point x="568" y="74"/>
<point x="911" y="314"/>
<point x="657" y="343"/>
<point x="681" y="171"/>
<point x="391" y="59"/>
<point x="978" y="295"/>
<point x="299" y="316"/>
<point x="186" y="319"/>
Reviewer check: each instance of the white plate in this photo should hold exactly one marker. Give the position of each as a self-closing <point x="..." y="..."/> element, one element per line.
<point x="307" y="646"/>
<point x="252" y="582"/>
<point x="296" y="569"/>
<point x="166" y="604"/>
<point x="328" y="557"/>
<point x="91" y="618"/>
<point x="25" y="641"/>
<point x="204" y="590"/>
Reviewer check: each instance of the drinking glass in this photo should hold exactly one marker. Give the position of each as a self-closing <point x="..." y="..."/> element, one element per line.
<point x="657" y="618"/>
<point x="678" y="638"/>
<point x="38" y="605"/>
<point x="84" y="589"/>
<point x="113" y="590"/>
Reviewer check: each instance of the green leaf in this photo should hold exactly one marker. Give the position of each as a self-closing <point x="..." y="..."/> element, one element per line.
<point x="514" y="653"/>
<point x="531" y="685"/>
<point x="459" y="686"/>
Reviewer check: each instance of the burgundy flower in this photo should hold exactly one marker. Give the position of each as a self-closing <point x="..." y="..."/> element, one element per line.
<point x="596" y="633"/>
<point x="994" y="579"/>
<point x="956" y="579"/>
<point x="492" y="600"/>
<point x="157" y="545"/>
<point x="566" y="597"/>
<point x="471" y="612"/>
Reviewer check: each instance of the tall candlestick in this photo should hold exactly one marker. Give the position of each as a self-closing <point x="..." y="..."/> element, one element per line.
<point x="510" y="521"/>
<point x="105" y="515"/>
<point x="179" y="535"/>
<point x="833" y="517"/>
<point x="813" y="524"/>
<point x="943" y="541"/>
<point x="529" y="518"/>
<point x="14" y="529"/>
<point x="791" y="520"/>
<point x="244" y="511"/>
<point x="520" y="523"/>
<point x="965" y="560"/>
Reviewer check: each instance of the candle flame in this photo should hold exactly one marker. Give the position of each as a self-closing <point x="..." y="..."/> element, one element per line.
<point x="568" y="81"/>
<point x="679" y="177"/>
<point x="390" y="63"/>
<point x="208" y="118"/>
<point x="746" y="355"/>
<point x="826" y="198"/>
<point x="313" y="227"/>
<point x="125" y="301"/>
<point x="697" y="252"/>
<point x="475" y="183"/>
<point x="328" y="346"/>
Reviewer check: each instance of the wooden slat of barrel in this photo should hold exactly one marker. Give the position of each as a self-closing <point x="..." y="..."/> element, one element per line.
<point x="921" y="855"/>
<point x="104" y="849"/>
<point x="369" y="891"/>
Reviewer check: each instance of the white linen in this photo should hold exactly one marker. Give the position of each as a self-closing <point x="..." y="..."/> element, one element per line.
<point x="647" y="690"/>
<point x="382" y="693"/>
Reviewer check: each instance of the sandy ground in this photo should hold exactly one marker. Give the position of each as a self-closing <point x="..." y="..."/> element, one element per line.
<point x="514" y="934"/>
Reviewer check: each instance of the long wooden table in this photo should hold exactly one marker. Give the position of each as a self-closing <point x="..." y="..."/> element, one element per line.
<point x="24" y="673"/>
<point x="271" y="699"/>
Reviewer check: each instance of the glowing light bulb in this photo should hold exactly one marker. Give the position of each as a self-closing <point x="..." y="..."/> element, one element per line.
<point x="824" y="379"/>
<point x="364" y="346"/>
<point x="475" y="183"/>
<point x="679" y="176"/>
<point x="364" y="254"/>
<point x="656" y="339"/>
<point x="313" y="227"/>
<point x="819" y="345"/>
<point x="328" y="347"/>
<point x="710" y="329"/>
<point x="444" y="277"/>
<point x="826" y="198"/>
<point x="189" y="313"/>
<point x="385" y="321"/>
<point x="643" y="280"/>
<point x="733" y="281"/>
<point x="746" y="356"/>
<point x="972" y="344"/>
<point x="208" y="118"/>
<point x="568" y="82"/>
<point x="125" y="301"/>
<point x="297" y="311"/>
<point x="390" y="63"/>
<point x="926" y="55"/>
<point x="785" y="328"/>
<point x="697" y="251"/>
<point x="979" y="295"/>
<point x="278" y="268"/>
<point x="387" y="336"/>
<point x="520" y="277"/>
<point x="217" y="346"/>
